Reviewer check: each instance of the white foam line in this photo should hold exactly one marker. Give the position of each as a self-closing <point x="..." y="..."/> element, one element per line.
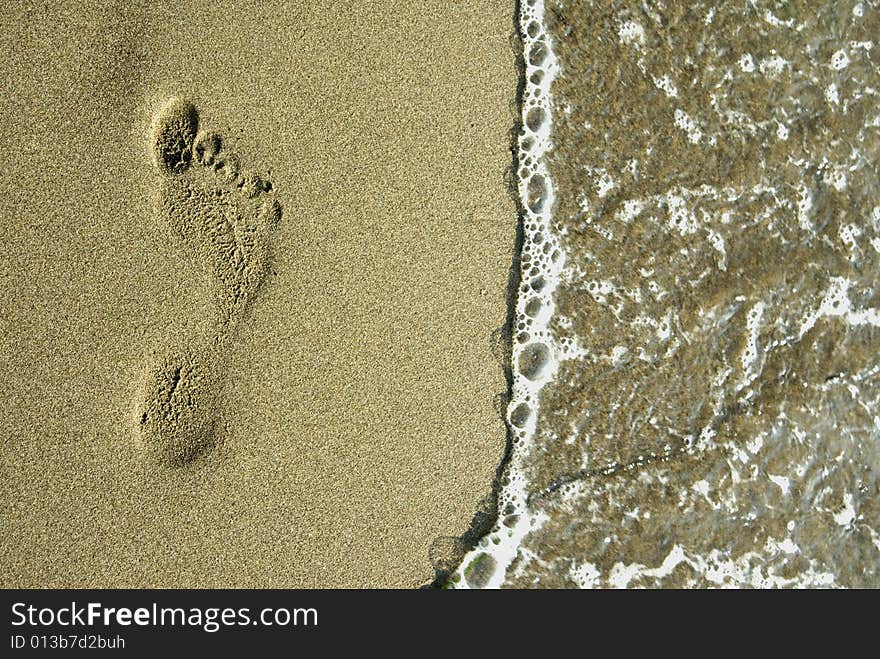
<point x="543" y="260"/>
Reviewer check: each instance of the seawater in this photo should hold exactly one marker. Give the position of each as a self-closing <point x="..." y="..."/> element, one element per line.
<point x="696" y="399"/>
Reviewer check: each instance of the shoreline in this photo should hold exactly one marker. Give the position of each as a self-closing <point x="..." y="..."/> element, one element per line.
<point x="533" y="355"/>
<point x="488" y="515"/>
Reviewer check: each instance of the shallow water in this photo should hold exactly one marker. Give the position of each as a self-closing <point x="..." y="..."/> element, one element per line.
<point x="711" y="411"/>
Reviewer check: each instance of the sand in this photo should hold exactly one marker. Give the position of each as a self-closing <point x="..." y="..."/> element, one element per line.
<point x="312" y="406"/>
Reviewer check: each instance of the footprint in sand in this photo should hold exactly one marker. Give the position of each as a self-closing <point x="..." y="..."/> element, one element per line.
<point x="225" y="218"/>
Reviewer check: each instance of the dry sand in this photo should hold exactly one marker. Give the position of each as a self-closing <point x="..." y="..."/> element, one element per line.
<point x="352" y="418"/>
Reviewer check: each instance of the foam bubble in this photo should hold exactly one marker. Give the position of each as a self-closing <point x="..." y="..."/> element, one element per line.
<point x="533" y="360"/>
<point x="520" y="415"/>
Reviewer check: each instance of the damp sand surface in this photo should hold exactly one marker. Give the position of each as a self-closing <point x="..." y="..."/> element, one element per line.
<point x="265" y="363"/>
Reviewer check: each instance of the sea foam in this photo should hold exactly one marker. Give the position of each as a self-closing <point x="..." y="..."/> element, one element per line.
<point x="535" y="354"/>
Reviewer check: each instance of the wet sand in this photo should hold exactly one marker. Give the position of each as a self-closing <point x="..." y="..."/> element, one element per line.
<point x="349" y="419"/>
